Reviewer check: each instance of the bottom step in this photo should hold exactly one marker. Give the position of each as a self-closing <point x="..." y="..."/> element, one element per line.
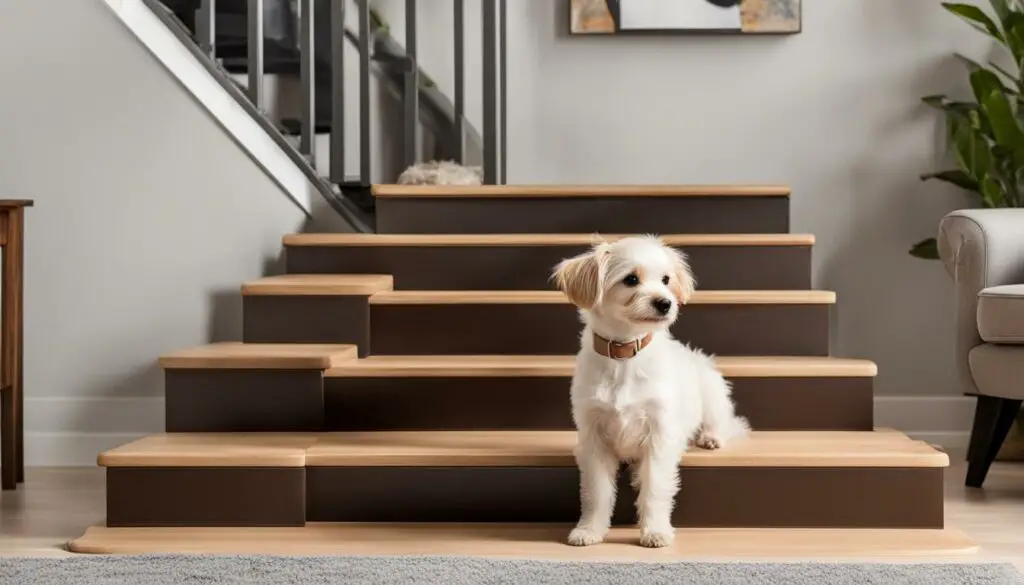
<point x="523" y="540"/>
<point x="773" y="479"/>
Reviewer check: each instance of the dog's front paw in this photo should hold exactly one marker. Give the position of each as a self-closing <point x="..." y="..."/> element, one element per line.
<point x="709" y="442"/>
<point x="657" y="538"/>
<point x="585" y="536"/>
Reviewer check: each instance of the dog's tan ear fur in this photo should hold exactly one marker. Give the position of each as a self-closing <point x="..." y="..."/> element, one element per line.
<point x="684" y="282"/>
<point x="580" y="277"/>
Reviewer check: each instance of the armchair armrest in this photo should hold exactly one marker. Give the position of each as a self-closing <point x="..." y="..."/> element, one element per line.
<point x="979" y="248"/>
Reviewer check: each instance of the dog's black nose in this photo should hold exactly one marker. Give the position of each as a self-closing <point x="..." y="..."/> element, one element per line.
<point x="663" y="306"/>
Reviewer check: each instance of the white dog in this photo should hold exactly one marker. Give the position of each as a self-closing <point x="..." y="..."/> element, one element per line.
<point x="638" y="395"/>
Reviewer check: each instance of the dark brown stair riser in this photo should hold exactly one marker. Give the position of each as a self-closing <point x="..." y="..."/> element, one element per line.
<point x="307" y="319"/>
<point x="206" y="496"/>
<point x="528" y="267"/>
<point x="390" y="404"/>
<point x="243" y="401"/>
<point x="709" y="497"/>
<point x="612" y="215"/>
<point x="553" y="329"/>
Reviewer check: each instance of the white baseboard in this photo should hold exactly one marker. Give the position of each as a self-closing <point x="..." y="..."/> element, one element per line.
<point x="71" y="449"/>
<point x="73" y="431"/>
<point x="939" y="420"/>
<point x="952" y="441"/>
<point x="941" y="414"/>
<point x="85" y="416"/>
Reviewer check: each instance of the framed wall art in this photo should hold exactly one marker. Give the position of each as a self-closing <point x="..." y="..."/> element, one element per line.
<point x="752" y="17"/>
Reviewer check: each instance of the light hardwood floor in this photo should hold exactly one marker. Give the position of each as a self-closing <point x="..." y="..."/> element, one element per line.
<point x="57" y="505"/>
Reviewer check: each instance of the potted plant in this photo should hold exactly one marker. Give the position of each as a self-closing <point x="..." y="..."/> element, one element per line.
<point x="987" y="135"/>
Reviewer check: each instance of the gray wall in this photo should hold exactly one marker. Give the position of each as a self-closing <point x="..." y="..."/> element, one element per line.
<point x="148" y="216"/>
<point x="834" y="112"/>
<point x="147" y="219"/>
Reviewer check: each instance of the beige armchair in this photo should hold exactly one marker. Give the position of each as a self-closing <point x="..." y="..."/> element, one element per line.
<point x="983" y="250"/>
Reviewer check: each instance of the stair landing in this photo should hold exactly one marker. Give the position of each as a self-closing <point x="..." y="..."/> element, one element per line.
<point x="537" y="541"/>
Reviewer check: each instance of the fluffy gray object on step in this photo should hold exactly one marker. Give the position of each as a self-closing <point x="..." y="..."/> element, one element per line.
<point x="441" y="173"/>
<point x="232" y="570"/>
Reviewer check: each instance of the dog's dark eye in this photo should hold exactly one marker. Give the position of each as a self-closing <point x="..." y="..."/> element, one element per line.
<point x="664" y="279"/>
<point x="631" y="280"/>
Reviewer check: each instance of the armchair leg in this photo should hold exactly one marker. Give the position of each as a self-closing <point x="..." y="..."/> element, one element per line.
<point x="993" y="418"/>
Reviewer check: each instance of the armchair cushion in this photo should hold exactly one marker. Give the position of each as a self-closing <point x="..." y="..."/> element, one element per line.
<point x="998" y="370"/>
<point x="1001" y="314"/>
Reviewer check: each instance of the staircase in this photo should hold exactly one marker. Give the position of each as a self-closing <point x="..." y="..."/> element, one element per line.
<point x="306" y="41"/>
<point x="371" y="408"/>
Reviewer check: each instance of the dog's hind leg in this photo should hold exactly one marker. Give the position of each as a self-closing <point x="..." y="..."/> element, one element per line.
<point x="719" y="424"/>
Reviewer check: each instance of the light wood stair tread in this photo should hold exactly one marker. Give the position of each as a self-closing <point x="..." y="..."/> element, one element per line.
<point x="538" y="541"/>
<point x="555" y="448"/>
<point x="562" y="366"/>
<point x="538" y="191"/>
<point x="320" y="284"/>
<point x="701" y="297"/>
<point x="212" y="450"/>
<point x="260" y="356"/>
<point x="505" y="449"/>
<point x="497" y="366"/>
<point x="499" y="240"/>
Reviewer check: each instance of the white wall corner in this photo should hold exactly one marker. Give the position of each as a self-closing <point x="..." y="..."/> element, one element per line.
<point x="177" y="59"/>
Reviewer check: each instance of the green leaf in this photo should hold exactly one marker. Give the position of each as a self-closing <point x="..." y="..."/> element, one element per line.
<point x="974" y="16"/>
<point x="1014" y="36"/>
<point x="984" y="80"/>
<point x="1004" y="122"/>
<point x="967" y="112"/>
<point x="926" y="249"/>
<point x="971" y="150"/>
<point x="1018" y="180"/>
<point x="962" y="109"/>
<point x="991" y="193"/>
<point x="1002" y="9"/>
<point x="958" y="178"/>
<point x="973" y="66"/>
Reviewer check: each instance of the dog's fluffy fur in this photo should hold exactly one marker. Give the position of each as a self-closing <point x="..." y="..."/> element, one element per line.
<point x="648" y="409"/>
<point x="441" y="173"/>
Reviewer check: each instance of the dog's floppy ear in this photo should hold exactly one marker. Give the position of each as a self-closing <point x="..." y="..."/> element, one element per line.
<point x="581" y="277"/>
<point x="683" y="283"/>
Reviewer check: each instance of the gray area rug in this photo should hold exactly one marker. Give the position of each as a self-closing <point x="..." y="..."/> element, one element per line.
<point x="231" y="570"/>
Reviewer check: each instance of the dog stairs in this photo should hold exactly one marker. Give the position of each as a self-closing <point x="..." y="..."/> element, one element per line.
<point x="370" y="409"/>
<point x="863" y="480"/>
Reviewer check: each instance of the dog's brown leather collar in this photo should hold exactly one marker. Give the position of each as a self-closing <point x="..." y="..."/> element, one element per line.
<point x="618" y="350"/>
